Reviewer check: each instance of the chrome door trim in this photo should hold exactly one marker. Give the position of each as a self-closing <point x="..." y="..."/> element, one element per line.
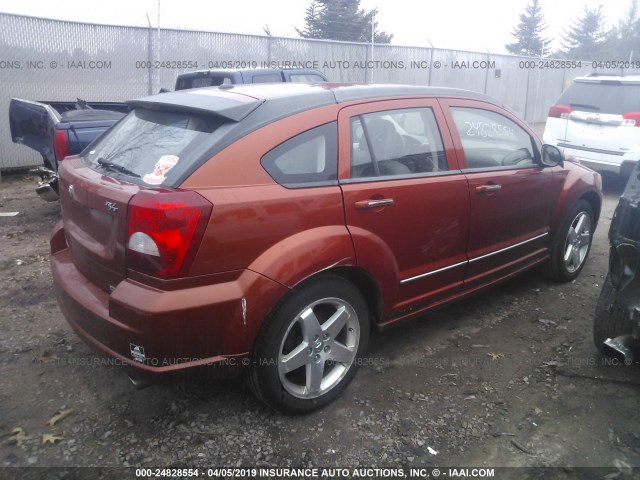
<point x="508" y="248"/>
<point x="455" y="265"/>
<point x="422" y="275"/>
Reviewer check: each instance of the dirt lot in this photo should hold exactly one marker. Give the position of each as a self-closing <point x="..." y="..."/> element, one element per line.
<point x="507" y="378"/>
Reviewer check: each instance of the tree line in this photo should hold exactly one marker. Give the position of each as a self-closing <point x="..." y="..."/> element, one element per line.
<point x="341" y="20"/>
<point x="587" y="38"/>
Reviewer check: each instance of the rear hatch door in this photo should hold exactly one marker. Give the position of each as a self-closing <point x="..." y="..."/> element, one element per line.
<point x="94" y="212"/>
<point x="161" y="142"/>
<point x="598" y="121"/>
<point x="601" y="133"/>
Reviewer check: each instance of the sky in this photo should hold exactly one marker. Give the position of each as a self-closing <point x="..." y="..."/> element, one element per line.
<point x="472" y="25"/>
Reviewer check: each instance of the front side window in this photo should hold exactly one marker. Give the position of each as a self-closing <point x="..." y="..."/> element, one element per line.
<point x="308" y="159"/>
<point x="491" y="140"/>
<point x="396" y="143"/>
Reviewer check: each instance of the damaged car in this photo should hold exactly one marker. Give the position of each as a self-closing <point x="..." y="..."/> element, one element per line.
<point x="616" y="327"/>
<point x="266" y="229"/>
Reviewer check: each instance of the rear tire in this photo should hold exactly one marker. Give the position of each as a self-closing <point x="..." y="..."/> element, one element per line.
<point x="309" y="348"/>
<point x="572" y="243"/>
<point x="608" y="321"/>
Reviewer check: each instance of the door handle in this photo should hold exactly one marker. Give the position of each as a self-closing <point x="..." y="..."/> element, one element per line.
<point x="383" y="202"/>
<point x="488" y="189"/>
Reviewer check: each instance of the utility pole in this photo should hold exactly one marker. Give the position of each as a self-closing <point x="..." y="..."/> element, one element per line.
<point x="149" y="58"/>
<point x="486" y="71"/>
<point x="373" y="16"/>
<point x="430" y="62"/>
<point x="158" y="70"/>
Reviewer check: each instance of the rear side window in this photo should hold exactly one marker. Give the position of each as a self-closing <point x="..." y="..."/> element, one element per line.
<point x="603" y="97"/>
<point x="151" y="147"/>
<point x="308" y="159"/>
<point x="400" y="142"/>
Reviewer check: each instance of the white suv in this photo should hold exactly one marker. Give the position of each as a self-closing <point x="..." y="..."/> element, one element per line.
<point x="596" y="121"/>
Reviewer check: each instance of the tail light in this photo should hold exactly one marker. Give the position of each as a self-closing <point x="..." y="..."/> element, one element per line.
<point x="560" y="111"/>
<point x="631" y="119"/>
<point x="165" y="229"/>
<point x="61" y="144"/>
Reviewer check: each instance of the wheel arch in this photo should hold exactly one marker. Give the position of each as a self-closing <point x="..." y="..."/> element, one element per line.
<point x="557" y="266"/>
<point x="367" y="286"/>
<point x="594" y="200"/>
<point x="362" y="280"/>
<point x="358" y="277"/>
<point x="267" y="380"/>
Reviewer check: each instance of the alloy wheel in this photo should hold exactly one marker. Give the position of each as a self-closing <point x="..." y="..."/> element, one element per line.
<point x="577" y="243"/>
<point x="318" y="348"/>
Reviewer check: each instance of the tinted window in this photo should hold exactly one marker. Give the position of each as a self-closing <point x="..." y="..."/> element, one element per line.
<point x="396" y="142"/>
<point x="151" y="147"/>
<point x="306" y="78"/>
<point x="267" y="78"/>
<point x="204" y="81"/>
<point x="492" y="140"/>
<point x="308" y="158"/>
<point x="604" y="97"/>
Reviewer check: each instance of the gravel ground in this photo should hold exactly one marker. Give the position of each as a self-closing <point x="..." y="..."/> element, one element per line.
<point x="509" y="377"/>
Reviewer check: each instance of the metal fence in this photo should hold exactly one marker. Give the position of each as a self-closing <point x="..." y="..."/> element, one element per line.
<point x="52" y="60"/>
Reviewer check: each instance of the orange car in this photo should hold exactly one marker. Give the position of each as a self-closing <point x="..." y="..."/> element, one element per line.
<point x="266" y="229"/>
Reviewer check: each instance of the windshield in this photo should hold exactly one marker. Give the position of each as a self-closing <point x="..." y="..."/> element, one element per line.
<point x="603" y="97"/>
<point x="151" y="147"/>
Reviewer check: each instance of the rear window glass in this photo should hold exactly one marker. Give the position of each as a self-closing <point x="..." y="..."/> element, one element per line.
<point x="306" y="78"/>
<point x="308" y="159"/>
<point x="151" y="147"/>
<point x="204" y="81"/>
<point x="606" y="97"/>
<point x="267" y="78"/>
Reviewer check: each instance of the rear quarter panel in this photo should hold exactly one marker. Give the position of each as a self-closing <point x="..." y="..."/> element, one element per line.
<point x="285" y="234"/>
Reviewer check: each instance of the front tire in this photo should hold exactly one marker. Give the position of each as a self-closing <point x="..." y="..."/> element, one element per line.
<point x="572" y="243"/>
<point x="309" y="348"/>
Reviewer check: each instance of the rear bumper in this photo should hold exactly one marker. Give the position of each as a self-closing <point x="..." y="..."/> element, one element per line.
<point x="157" y="333"/>
<point x="603" y="163"/>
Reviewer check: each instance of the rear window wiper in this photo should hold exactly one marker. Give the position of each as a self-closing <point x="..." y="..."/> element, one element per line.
<point x="119" y="168"/>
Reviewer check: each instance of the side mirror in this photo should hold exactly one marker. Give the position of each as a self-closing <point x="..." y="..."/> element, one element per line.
<point x="551" y="156"/>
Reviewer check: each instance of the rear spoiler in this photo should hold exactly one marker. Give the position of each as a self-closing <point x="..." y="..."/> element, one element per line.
<point x="233" y="107"/>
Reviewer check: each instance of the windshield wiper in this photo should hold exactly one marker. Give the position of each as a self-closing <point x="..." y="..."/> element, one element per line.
<point x="119" y="168"/>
